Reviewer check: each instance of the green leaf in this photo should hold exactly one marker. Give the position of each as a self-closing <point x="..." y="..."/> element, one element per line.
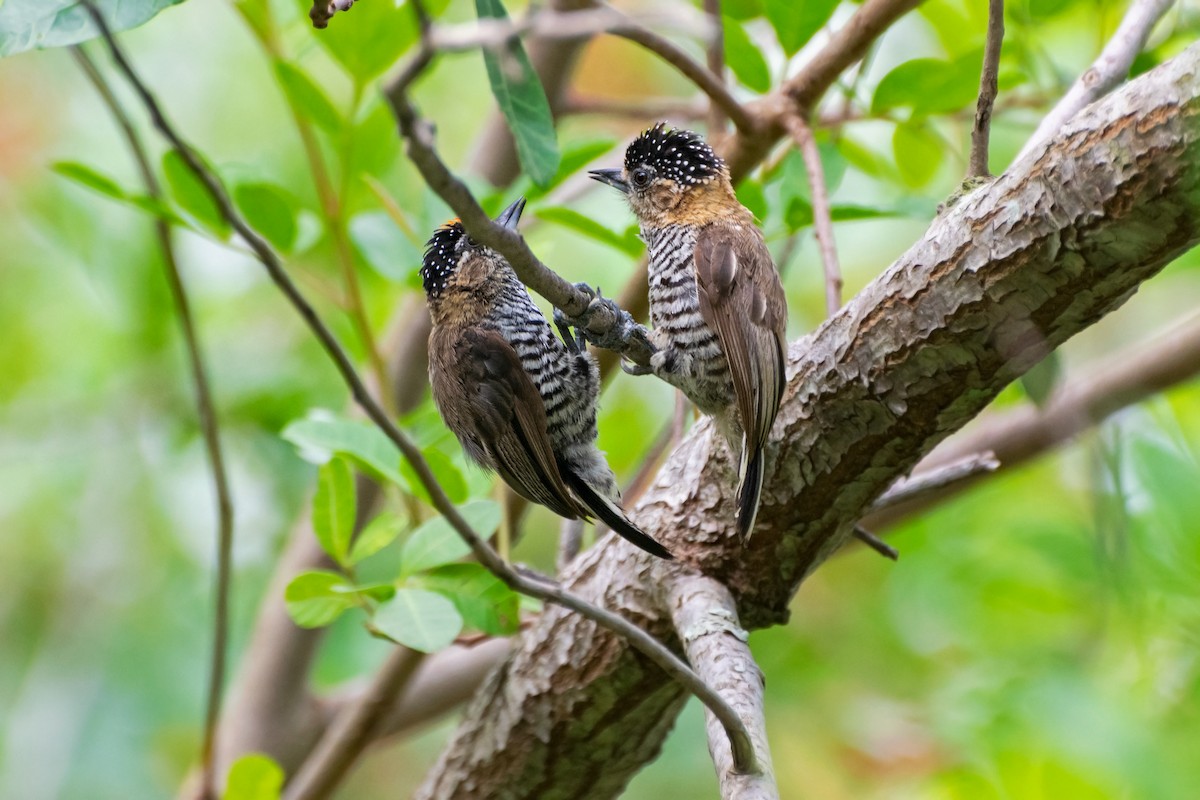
<point x="268" y="211"/>
<point x="373" y="143"/>
<point x="191" y="194"/>
<point x="378" y="534"/>
<point x="519" y="93"/>
<point x="484" y="601"/>
<point x="384" y="246"/>
<point x="254" y="777"/>
<point x="744" y="57"/>
<point x="91" y="178"/>
<point x="1040" y="380"/>
<point x="37" y="24"/>
<point x="333" y="512"/>
<point x="742" y="9"/>
<point x="306" y="97"/>
<point x="750" y="194"/>
<point x="586" y="226"/>
<point x="573" y="160"/>
<point x="795" y="21"/>
<point x="930" y="85"/>
<point x="436" y="542"/>
<point x="364" y="443"/>
<point x="448" y="475"/>
<point x="918" y="151"/>
<point x="369" y="38"/>
<point x="423" y="620"/>
<point x="315" y="599"/>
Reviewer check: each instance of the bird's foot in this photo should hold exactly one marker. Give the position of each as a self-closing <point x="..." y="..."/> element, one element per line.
<point x="606" y="325"/>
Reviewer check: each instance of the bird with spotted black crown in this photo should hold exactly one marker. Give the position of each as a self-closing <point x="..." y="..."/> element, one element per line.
<point x="716" y="302"/>
<point x="521" y="402"/>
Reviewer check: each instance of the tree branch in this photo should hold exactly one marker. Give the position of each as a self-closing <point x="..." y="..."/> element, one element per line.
<point x="209" y="427"/>
<point x="912" y="358"/>
<point x="988" y="86"/>
<point x="523" y="582"/>
<point x="1109" y="69"/>
<point x="716" y="62"/>
<point x="705" y="617"/>
<point x="802" y="134"/>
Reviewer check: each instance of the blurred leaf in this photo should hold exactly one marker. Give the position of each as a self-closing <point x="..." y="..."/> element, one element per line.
<point x="574" y="158"/>
<point x="315" y="599"/>
<point x="742" y="9"/>
<point x="744" y="57"/>
<point x="586" y="226"/>
<point x="522" y="100"/>
<point x="448" y="476"/>
<point x="268" y="211"/>
<point x="384" y="246"/>
<point x="864" y="159"/>
<point x="918" y="152"/>
<point x="799" y="214"/>
<point x="378" y="534"/>
<point x="750" y="194"/>
<point x="373" y="141"/>
<point x="930" y="85"/>
<point x="91" y="178"/>
<point x="484" y="601"/>
<point x="307" y="97"/>
<point x="423" y="620"/>
<point x="36" y="24"/>
<point x="436" y="542"/>
<point x="333" y="511"/>
<point x="796" y="22"/>
<point x="254" y="777"/>
<point x="191" y="194"/>
<point x="1040" y="380"/>
<point x="364" y="443"/>
<point x="371" y="36"/>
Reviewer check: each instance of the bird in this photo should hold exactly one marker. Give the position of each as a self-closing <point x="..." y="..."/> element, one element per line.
<point x="717" y="305"/>
<point x="521" y="401"/>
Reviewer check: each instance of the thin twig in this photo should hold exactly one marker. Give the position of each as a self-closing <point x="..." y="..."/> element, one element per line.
<point x="209" y="426"/>
<point x="802" y="134"/>
<point x="988" y="86"/>
<point x="875" y="543"/>
<point x="716" y="62"/>
<point x="935" y="480"/>
<point x="526" y="583"/>
<point x="1108" y="70"/>
<point x="353" y="729"/>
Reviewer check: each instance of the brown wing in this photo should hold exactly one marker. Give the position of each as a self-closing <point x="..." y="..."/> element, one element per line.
<point x="491" y="404"/>
<point x="741" y="298"/>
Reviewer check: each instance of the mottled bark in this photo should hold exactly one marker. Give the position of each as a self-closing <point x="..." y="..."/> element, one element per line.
<point x="1015" y="268"/>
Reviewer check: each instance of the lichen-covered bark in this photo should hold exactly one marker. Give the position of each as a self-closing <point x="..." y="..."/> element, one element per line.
<point x="1015" y="268"/>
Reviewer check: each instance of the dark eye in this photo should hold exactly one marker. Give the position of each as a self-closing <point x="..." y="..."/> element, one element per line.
<point x="641" y="177"/>
<point x="471" y="242"/>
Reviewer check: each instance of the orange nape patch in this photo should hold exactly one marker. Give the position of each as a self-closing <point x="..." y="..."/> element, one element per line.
<point x="450" y="223"/>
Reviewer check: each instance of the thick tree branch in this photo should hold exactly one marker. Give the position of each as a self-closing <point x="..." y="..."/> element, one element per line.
<point x="705" y="618"/>
<point x="209" y="428"/>
<point x="1027" y="261"/>
<point x="1108" y="70"/>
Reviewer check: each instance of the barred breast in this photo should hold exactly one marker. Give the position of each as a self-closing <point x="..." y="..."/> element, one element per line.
<point x="694" y="361"/>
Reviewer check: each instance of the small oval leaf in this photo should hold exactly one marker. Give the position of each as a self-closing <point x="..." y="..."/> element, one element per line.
<point x="423" y="620"/>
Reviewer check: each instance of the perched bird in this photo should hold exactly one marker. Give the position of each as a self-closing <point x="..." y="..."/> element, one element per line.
<point x="716" y="302"/>
<point x="521" y="402"/>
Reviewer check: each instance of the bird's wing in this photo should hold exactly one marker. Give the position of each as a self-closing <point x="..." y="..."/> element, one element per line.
<point x="492" y="405"/>
<point x="741" y="298"/>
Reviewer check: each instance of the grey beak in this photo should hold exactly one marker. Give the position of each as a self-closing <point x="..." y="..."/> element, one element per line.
<point x="610" y="176"/>
<point x="510" y="216"/>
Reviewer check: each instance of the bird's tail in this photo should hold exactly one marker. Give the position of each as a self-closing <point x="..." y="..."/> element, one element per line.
<point x="611" y="515"/>
<point x="750" y="473"/>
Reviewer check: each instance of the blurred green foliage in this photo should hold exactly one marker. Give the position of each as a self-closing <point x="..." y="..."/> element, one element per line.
<point x="1037" y="638"/>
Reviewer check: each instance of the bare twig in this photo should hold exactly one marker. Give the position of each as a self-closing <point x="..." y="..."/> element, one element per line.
<point x="988" y="85"/>
<point x="705" y="617"/>
<point x="208" y="426"/>
<point x="352" y="730"/>
<point x="875" y="543"/>
<point x="1108" y="70"/>
<point x="323" y="10"/>
<point x="524" y="582"/>
<point x="936" y="479"/>
<point x="802" y="134"/>
<point x="716" y="62"/>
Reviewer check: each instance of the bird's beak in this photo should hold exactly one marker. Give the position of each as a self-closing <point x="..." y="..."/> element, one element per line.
<point x="510" y="216"/>
<point x="610" y="176"/>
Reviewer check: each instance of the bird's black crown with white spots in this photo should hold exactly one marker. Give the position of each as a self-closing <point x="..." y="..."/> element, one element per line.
<point x="443" y="251"/>
<point x="677" y="155"/>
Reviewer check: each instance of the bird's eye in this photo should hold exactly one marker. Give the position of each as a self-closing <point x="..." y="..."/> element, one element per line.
<point x="471" y="241"/>
<point x="641" y="177"/>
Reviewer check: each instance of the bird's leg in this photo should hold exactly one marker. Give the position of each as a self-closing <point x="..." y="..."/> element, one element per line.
<point x="606" y="325"/>
<point x="575" y="341"/>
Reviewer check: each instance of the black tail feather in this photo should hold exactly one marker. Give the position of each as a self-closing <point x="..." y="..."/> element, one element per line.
<point x="611" y="515"/>
<point x="749" y="492"/>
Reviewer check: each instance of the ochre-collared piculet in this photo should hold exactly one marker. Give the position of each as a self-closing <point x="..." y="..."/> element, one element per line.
<point x="521" y="401"/>
<point x="716" y="302"/>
